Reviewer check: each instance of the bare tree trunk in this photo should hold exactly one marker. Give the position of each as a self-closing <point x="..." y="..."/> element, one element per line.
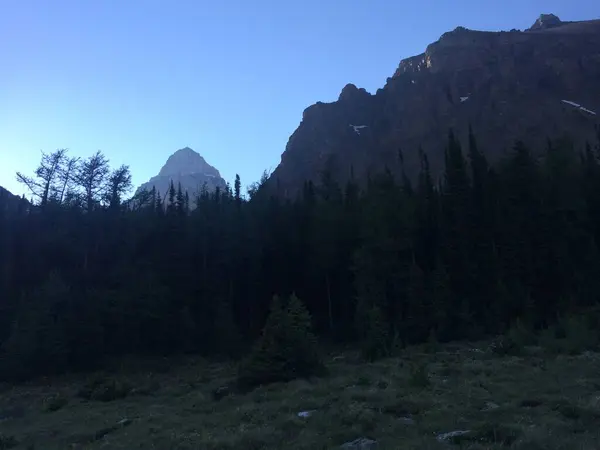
<point x="66" y="176"/>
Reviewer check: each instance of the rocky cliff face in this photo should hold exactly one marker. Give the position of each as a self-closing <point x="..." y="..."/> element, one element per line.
<point x="546" y="21"/>
<point x="530" y="85"/>
<point x="187" y="167"/>
<point x="10" y="202"/>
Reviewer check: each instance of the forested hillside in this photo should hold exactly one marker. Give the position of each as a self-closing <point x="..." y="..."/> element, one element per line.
<point x="85" y="275"/>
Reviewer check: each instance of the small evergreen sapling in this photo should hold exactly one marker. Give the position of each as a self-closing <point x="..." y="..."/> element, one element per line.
<point x="287" y="349"/>
<point x="376" y="339"/>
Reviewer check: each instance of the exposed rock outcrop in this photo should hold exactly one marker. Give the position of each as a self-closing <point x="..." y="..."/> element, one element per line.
<point x="546" y="21"/>
<point x="529" y="85"/>
<point x="188" y="168"/>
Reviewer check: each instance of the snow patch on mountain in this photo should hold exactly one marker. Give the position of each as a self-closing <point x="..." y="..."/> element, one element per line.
<point x="357" y="128"/>
<point x="577" y="105"/>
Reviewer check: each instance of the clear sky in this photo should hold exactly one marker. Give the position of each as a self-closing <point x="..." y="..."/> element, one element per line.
<point x="139" y="79"/>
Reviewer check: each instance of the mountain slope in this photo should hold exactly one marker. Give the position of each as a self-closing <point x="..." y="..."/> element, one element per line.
<point x="10" y="202"/>
<point x="530" y="85"/>
<point x="187" y="167"/>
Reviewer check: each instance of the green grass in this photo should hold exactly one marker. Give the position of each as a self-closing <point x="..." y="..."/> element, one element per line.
<point x="540" y="401"/>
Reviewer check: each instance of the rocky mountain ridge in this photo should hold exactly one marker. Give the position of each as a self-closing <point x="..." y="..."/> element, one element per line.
<point x="546" y="21"/>
<point x="188" y="168"/>
<point x="531" y="85"/>
<point x="6" y="193"/>
<point x="9" y="201"/>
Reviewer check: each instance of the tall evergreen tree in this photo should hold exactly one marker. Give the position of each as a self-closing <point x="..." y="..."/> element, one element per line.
<point x="237" y="189"/>
<point x="171" y="204"/>
<point x="180" y="201"/>
<point x="455" y="244"/>
<point x="482" y="234"/>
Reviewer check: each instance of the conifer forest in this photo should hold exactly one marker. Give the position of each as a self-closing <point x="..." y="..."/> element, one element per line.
<point x="87" y="273"/>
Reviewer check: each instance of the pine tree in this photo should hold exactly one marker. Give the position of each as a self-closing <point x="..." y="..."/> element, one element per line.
<point x="375" y="342"/>
<point x="519" y="244"/>
<point x="383" y="259"/>
<point x="266" y="362"/>
<point x="286" y="350"/>
<point x="237" y="189"/>
<point x="180" y="201"/>
<point x="427" y="238"/>
<point x="160" y="207"/>
<point x="300" y="326"/>
<point x="153" y="195"/>
<point x="171" y="205"/>
<point x="481" y="228"/>
<point x="455" y="214"/>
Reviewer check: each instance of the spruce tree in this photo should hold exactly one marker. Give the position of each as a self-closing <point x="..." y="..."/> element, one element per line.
<point x="287" y="348"/>
<point x="456" y="237"/>
<point x="481" y="217"/>
<point x="300" y="326"/>
<point x="237" y="186"/>
<point x="427" y="233"/>
<point x="375" y="343"/>
<point x="160" y="207"/>
<point x="153" y="198"/>
<point x="180" y="201"/>
<point x="171" y="206"/>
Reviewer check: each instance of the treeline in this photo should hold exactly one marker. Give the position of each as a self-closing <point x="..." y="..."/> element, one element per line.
<point x="84" y="275"/>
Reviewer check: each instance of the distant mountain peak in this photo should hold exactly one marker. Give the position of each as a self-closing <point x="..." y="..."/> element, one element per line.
<point x="187" y="161"/>
<point x="188" y="168"/>
<point x="545" y="21"/>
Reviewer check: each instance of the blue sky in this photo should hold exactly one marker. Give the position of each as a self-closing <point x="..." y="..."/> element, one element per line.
<point x="139" y="79"/>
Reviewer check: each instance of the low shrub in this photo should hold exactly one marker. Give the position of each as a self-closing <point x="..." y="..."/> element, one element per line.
<point x="104" y="390"/>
